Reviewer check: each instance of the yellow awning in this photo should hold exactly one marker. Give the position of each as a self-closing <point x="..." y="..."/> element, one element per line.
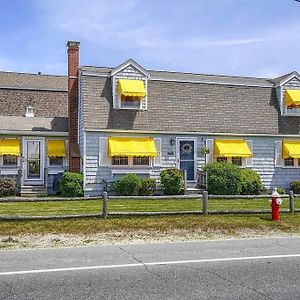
<point x="130" y="87"/>
<point x="10" y="147"/>
<point x="120" y="146"/>
<point x="291" y="149"/>
<point x="232" y="148"/>
<point x="292" y="98"/>
<point x="56" y="148"/>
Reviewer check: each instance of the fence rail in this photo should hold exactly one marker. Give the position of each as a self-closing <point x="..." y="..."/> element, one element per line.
<point x="178" y="205"/>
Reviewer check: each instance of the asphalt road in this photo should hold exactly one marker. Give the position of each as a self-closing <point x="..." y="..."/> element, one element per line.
<point x="230" y="269"/>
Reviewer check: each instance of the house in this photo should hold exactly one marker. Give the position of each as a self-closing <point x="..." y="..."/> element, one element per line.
<point x="33" y="130"/>
<point x="132" y="120"/>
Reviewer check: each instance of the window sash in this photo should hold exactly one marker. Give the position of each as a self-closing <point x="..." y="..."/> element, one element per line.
<point x="10" y="160"/>
<point x="143" y="161"/>
<point x="56" y="161"/>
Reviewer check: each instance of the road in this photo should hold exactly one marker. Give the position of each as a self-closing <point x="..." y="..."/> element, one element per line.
<point x="229" y="269"/>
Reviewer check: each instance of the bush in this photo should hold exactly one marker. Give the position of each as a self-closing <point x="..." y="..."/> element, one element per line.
<point x="172" y="181"/>
<point x="71" y="184"/>
<point x="128" y="185"/>
<point x="295" y="186"/>
<point x="148" y="187"/>
<point x="280" y="190"/>
<point x="7" y="187"/>
<point x="223" y="178"/>
<point x="250" y="182"/>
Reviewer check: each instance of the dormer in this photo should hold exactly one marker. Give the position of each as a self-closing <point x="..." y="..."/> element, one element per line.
<point x="288" y="94"/>
<point x="130" y="86"/>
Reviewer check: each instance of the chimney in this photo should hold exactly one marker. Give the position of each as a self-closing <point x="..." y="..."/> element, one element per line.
<point x="73" y="62"/>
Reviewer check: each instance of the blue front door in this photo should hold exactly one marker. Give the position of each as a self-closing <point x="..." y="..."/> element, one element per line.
<point x="187" y="158"/>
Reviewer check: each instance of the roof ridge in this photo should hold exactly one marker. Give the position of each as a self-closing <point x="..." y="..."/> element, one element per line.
<point x="185" y="73"/>
<point x="25" y="73"/>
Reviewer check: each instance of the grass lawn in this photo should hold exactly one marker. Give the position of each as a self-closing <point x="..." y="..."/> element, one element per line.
<point x="131" y="205"/>
<point x="223" y="224"/>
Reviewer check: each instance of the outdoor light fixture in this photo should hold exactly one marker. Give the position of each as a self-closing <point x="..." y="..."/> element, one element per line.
<point x="172" y="141"/>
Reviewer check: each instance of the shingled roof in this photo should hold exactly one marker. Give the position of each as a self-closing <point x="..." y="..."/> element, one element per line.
<point x="47" y="94"/>
<point x="184" y="102"/>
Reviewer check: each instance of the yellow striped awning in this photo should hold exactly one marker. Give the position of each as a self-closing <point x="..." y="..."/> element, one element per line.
<point x="292" y="98"/>
<point x="130" y="87"/>
<point x="56" y="148"/>
<point x="123" y="146"/>
<point x="10" y="147"/>
<point x="232" y="148"/>
<point x="291" y="149"/>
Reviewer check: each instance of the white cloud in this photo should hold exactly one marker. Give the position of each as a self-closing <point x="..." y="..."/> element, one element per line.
<point x="125" y="29"/>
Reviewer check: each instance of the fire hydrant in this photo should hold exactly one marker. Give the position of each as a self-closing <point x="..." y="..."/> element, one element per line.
<point x="275" y="204"/>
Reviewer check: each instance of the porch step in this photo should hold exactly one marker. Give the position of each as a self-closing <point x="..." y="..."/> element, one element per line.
<point x="193" y="191"/>
<point x="33" y="191"/>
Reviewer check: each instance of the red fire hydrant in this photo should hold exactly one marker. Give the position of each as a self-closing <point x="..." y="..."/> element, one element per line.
<point x="276" y="202"/>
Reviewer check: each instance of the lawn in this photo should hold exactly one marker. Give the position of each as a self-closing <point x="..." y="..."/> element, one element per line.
<point x="130" y="205"/>
<point x="223" y="224"/>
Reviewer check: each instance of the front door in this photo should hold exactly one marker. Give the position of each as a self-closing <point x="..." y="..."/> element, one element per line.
<point x="33" y="161"/>
<point x="186" y="159"/>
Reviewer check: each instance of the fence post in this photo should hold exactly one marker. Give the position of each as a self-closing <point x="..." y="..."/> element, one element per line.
<point x="292" y="202"/>
<point x="185" y="179"/>
<point x="104" y="205"/>
<point x="205" y="203"/>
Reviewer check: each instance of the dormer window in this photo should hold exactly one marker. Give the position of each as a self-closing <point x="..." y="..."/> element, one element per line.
<point x="29" y="112"/>
<point x="131" y="92"/>
<point x="129" y="86"/>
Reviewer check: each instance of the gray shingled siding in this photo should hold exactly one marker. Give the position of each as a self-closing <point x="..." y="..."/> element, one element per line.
<point x="263" y="161"/>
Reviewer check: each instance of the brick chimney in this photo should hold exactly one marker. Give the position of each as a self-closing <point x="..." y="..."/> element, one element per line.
<point x="73" y="62"/>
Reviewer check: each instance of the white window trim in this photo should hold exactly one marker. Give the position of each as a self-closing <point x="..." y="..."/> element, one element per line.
<point x="56" y="166"/>
<point x="229" y="160"/>
<point x="295" y="166"/>
<point x="131" y="108"/>
<point x="11" y="166"/>
<point x="131" y="165"/>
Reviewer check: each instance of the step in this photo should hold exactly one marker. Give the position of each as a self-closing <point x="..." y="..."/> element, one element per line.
<point x="193" y="191"/>
<point x="33" y="191"/>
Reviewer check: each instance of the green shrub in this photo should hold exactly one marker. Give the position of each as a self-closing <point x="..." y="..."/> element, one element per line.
<point x="250" y="182"/>
<point x="148" y="187"/>
<point x="264" y="190"/>
<point x="128" y="185"/>
<point x="7" y="187"/>
<point x="172" y="181"/>
<point x="71" y="184"/>
<point x="280" y="190"/>
<point x="295" y="186"/>
<point x="223" y="178"/>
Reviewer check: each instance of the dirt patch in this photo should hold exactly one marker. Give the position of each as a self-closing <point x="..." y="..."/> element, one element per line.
<point x="127" y="237"/>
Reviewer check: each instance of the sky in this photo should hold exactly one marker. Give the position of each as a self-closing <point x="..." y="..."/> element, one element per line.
<point x="232" y="37"/>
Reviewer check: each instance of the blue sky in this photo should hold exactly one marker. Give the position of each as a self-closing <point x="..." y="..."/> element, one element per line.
<point x="234" y="37"/>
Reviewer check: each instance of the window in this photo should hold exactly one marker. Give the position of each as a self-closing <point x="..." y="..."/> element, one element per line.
<point x="130" y="161"/>
<point x="130" y="102"/>
<point x="56" y="161"/>
<point x="221" y="159"/>
<point x="141" y="161"/>
<point x="119" y="160"/>
<point x="237" y="161"/>
<point x="10" y="160"/>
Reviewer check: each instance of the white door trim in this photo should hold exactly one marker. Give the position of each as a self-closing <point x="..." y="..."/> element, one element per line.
<point x="34" y="181"/>
<point x="178" y="139"/>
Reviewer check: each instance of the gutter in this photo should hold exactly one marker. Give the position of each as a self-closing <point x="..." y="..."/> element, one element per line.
<point x="191" y="133"/>
<point x="33" y="133"/>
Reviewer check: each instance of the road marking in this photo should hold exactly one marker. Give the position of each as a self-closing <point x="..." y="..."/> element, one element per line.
<point x="160" y="263"/>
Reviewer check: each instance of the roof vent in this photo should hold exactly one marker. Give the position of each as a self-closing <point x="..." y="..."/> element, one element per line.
<point x="29" y="112"/>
